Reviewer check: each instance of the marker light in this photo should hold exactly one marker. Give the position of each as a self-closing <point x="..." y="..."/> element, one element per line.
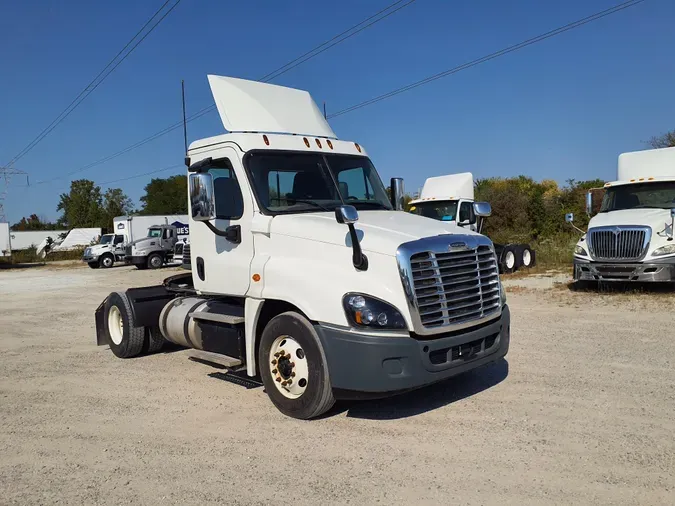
<point x="330" y="144"/>
<point x="318" y="142"/>
<point x="358" y="148"/>
<point x="267" y="141"/>
<point x="306" y="141"/>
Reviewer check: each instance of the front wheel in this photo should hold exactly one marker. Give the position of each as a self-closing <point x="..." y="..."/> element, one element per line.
<point x="107" y="261"/>
<point x="93" y="265"/>
<point x="293" y="367"/>
<point x="155" y="261"/>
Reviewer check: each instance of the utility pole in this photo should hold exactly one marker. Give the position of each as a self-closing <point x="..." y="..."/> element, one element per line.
<point x="6" y="174"/>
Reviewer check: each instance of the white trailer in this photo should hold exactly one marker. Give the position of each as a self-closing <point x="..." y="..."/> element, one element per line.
<point x="5" y="244"/>
<point x="33" y="238"/>
<point x="631" y="238"/>
<point x="305" y="274"/>
<point x="451" y="199"/>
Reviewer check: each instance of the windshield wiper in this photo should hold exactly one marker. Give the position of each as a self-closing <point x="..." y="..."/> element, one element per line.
<point x="310" y="202"/>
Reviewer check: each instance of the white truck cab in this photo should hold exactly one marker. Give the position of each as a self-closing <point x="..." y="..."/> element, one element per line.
<point x="451" y="199"/>
<point x="303" y="272"/>
<point x="631" y="237"/>
<point x="110" y="249"/>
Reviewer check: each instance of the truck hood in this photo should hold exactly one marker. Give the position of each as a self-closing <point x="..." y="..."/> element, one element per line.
<point x="378" y="231"/>
<point x="98" y="247"/>
<point x="143" y="241"/>
<point x="658" y="219"/>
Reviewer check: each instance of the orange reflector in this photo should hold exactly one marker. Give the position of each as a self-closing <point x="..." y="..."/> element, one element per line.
<point x="330" y="144"/>
<point x="267" y="141"/>
<point x="306" y="141"/>
<point x="642" y="179"/>
<point x="318" y="142"/>
<point x="256" y="277"/>
<point x="651" y="179"/>
<point x="632" y="180"/>
<point x="358" y="148"/>
<point x="357" y="317"/>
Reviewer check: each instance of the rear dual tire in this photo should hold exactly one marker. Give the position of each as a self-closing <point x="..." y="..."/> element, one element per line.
<point x="126" y="340"/>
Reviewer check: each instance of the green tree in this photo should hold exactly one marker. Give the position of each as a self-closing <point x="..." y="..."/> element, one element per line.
<point x="165" y="196"/>
<point x="115" y="203"/>
<point x="82" y="206"/>
<point x="33" y="222"/>
<point x="666" y="140"/>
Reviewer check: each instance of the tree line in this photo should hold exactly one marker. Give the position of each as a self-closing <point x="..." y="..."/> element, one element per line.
<point x="523" y="209"/>
<point x="86" y="205"/>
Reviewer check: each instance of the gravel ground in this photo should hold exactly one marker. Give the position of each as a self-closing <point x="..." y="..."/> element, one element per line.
<point x="582" y="412"/>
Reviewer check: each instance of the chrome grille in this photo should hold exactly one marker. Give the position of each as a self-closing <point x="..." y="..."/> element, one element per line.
<point x="455" y="287"/>
<point x="618" y="243"/>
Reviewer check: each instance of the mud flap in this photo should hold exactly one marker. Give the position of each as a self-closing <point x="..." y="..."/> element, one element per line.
<point x="101" y="338"/>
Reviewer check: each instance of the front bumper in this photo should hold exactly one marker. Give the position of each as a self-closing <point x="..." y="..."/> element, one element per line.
<point x="388" y="365"/>
<point x="639" y="272"/>
<point x="90" y="258"/>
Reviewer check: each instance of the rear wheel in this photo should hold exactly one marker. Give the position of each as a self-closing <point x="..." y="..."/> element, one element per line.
<point x="106" y="261"/>
<point x="125" y="339"/>
<point x="526" y="256"/>
<point x="155" y="261"/>
<point x="293" y="367"/>
<point x="508" y="260"/>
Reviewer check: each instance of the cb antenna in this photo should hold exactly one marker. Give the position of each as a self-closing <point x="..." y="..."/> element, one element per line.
<point x="182" y="86"/>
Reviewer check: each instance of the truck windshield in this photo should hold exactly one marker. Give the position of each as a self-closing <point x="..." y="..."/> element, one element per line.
<point x="106" y="239"/>
<point x="445" y="210"/>
<point x="287" y="182"/>
<point x="639" y="196"/>
<point x="154" y="232"/>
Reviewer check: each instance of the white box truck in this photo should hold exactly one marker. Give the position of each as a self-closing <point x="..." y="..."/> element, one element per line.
<point x="303" y="272"/>
<point x="451" y="199"/>
<point x="145" y="241"/>
<point x="631" y="237"/>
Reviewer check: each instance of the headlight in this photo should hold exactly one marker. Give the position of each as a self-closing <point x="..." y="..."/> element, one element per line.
<point x="668" y="249"/>
<point x="578" y="250"/>
<point x="87" y="251"/>
<point x="368" y="312"/>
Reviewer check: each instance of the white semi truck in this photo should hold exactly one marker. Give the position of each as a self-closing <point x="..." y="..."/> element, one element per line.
<point x="145" y="241"/>
<point x="631" y="237"/>
<point x="451" y="199"/>
<point x="304" y="274"/>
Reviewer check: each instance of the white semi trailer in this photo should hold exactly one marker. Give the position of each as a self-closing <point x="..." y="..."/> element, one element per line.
<point x="631" y="237"/>
<point x="451" y="199"/>
<point x="5" y="243"/>
<point x="303" y="272"/>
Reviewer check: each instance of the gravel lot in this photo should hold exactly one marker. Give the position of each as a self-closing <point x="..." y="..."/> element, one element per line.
<point x="582" y="412"/>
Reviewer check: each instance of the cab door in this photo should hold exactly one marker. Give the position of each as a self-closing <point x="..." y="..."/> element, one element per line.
<point x="222" y="264"/>
<point x="466" y="217"/>
<point x="118" y="245"/>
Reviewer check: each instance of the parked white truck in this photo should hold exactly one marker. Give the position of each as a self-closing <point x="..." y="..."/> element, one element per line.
<point x="145" y="241"/>
<point x="5" y="243"/>
<point x="451" y="199"/>
<point x="631" y="238"/>
<point x="304" y="274"/>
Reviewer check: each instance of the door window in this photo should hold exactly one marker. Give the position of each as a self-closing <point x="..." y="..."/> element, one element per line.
<point x="229" y="201"/>
<point x="466" y="213"/>
<point x="119" y="239"/>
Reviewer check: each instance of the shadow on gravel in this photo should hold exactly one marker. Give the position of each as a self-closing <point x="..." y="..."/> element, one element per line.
<point x="427" y="398"/>
<point x="618" y="287"/>
<point x="7" y="265"/>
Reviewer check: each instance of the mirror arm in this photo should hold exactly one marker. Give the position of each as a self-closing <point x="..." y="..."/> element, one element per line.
<point x="358" y="258"/>
<point x="232" y="233"/>
<point x="577" y="228"/>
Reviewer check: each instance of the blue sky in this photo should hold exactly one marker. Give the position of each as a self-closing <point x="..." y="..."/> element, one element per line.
<point x="564" y="108"/>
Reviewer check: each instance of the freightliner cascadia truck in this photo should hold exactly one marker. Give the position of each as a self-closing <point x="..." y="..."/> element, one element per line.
<point x="304" y="274"/>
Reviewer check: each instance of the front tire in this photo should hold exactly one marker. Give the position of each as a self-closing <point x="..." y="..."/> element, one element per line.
<point x="155" y="261"/>
<point x="106" y="261"/>
<point x="125" y="339"/>
<point x="293" y="367"/>
<point x="93" y="265"/>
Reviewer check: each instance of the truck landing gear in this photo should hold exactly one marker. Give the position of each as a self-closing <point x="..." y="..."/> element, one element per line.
<point x="293" y="367"/>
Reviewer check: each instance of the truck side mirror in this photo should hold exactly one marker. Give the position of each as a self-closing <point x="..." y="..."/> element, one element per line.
<point x="672" y="223"/>
<point x="569" y="217"/>
<point x="349" y="215"/>
<point x="397" y="193"/>
<point x="202" y="198"/>
<point x="482" y="209"/>
<point x="589" y="203"/>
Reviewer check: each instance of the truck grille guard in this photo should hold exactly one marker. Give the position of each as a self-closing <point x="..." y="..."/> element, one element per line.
<point x="451" y="282"/>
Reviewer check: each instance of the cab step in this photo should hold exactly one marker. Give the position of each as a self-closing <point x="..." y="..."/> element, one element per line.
<point x="217" y="359"/>
<point x="235" y="372"/>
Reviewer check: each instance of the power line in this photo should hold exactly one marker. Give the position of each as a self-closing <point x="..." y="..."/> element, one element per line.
<point x="324" y="46"/>
<point x="96" y="82"/>
<point x="163" y="169"/>
<point x="491" y="56"/>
